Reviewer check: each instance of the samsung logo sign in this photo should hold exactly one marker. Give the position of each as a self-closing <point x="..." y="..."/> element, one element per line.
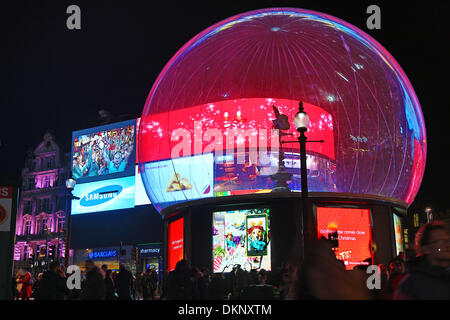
<point x="102" y="254"/>
<point x="101" y="195"/>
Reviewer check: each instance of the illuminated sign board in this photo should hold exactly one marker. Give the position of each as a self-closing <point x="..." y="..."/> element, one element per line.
<point x="104" y="152"/>
<point x="176" y="245"/>
<point x="104" y="195"/>
<point x="241" y="237"/>
<point x="354" y="233"/>
<point x="181" y="178"/>
<point x="102" y="254"/>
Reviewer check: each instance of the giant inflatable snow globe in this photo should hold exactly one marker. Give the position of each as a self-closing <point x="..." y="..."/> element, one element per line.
<point x="216" y="119"/>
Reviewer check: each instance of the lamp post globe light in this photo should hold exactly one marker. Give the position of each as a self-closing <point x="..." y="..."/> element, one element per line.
<point x="70" y="185"/>
<point x="301" y="121"/>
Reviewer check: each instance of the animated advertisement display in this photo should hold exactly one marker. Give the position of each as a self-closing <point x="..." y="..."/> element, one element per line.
<point x="398" y="231"/>
<point x="176" y="238"/>
<point x="181" y="178"/>
<point x="104" y="152"/>
<point x="105" y="195"/>
<point x="241" y="237"/>
<point x="354" y="233"/>
<point x="140" y="196"/>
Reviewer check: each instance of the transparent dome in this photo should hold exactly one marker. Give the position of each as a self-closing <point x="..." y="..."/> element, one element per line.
<point x="215" y="116"/>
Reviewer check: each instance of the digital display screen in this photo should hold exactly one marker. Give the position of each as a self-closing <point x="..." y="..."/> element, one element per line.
<point x="140" y="196"/>
<point x="175" y="240"/>
<point x="105" y="195"/>
<point x="181" y="179"/>
<point x="241" y="237"/>
<point x="398" y="232"/>
<point x="104" y="152"/>
<point x="353" y="242"/>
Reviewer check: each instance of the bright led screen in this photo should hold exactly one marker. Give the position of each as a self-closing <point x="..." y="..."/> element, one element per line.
<point x="353" y="227"/>
<point x="241" y="237"/>
<point x="176" y="239"/>
<point x="105" y="195"/>
<point x="104" y="152"/>
<point x="181" y="178"/>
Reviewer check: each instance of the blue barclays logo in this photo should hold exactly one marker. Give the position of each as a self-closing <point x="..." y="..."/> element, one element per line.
<point x="101" y="195"/>
<point x="102" y="254"/>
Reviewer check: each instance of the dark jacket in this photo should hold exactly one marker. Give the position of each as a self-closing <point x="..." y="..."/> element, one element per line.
<point x="110" y="289"/>
<point x="51" y="287"/>
<point x="424" y="282"/>
<point x="180" y="286"/>
<point x="93" y="287"/>
<point x="124" y="284"/>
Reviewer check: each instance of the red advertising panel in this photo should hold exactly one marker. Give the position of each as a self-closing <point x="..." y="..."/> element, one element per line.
<point x="176" y="238"/>
<point x="214" y="123"/>
<point x="353" y="227"/>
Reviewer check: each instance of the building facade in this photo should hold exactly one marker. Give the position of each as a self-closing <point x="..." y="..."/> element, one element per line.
<point x="41" y="215"/>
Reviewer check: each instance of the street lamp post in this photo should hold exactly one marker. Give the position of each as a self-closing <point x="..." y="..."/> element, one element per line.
<point x="70" y="185"/>
<point x="301" y="121"/>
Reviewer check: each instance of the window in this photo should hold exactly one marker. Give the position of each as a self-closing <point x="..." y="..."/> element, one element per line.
<point x="31" y="183"/>
<point x="47" y="182"/>
<point x="49" y="162"/>
<point x="43" y="225"/>
<point x="416" y="220"/>
<point x="27" y="206"/>
<point x="44" y="205"/>
<point x="61" y="224"/>
<point x="27" y="228"/>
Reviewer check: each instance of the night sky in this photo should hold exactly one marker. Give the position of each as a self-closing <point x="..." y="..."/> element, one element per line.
<point x="58" y="79"/>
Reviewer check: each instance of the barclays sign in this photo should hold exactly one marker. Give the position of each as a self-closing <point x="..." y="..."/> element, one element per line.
<point x="102" y="254"/>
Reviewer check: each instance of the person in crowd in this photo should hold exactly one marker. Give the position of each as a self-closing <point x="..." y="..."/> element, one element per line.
<point x="52" y="286"/>
<point x="240" y="280"/>
<point x="180" y="283"/>
<point x="203" y="284"/>
<point x="428" y="276"/>
<point x="109" y="286"/>
<point x="124" y="283"/>
<point x="218" y="287"/>
<point x="104" y="269"/>
<point x="396" y="274"/>
<point x="19" y="283"/>
<point x="27" y="283"/>
<point x="139" y="286"/>
<point x="36" y="284"/>
<point x="323" y="277"/>
<point x="93" y="288"/>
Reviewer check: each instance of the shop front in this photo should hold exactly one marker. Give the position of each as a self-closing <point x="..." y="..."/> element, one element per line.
<point x="150" y="257"/>
<point x="111" y="256"/>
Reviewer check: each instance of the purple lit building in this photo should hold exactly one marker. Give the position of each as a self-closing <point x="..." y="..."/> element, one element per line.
<point x="41" y="215"/>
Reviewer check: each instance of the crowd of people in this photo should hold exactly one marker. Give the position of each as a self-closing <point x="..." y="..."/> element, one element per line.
<point x="319" y="276"/>
<point x="96" y="284"/>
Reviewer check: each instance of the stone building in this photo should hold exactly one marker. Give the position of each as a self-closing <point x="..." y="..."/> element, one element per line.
<point x="41" y="214"/>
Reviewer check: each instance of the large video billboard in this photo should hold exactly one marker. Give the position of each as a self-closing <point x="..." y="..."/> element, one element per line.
<point x="104" y="152"/>
<point x="241" y="237"/>
<point x="354" y="233"/>
<point x="181" y="179"/>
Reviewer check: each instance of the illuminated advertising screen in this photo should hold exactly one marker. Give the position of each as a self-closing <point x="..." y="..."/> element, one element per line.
<point x="241" y="237"/>
<point x="104" y="152"/>
<point x="354" y="233"/>
<point x="140" y="195"/>
<point x="105" y="195"/>
<point x="181" y="178"/>
<point x="175" y="239"/>
<point x="398" y="232"/>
